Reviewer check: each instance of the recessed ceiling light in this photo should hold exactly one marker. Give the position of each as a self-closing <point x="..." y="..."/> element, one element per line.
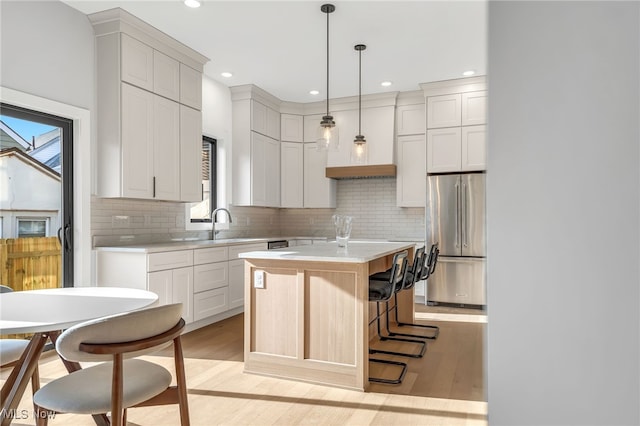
<point x="192" y="3"/>
<point x="226" y="74"/>
<point x="469" y="73"/>
<point x="386" y="83"/>
<point x="314" y="92"/>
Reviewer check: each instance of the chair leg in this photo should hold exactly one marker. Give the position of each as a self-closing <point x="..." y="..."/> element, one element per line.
<point x="402" y="324"/>
<point x="422" y="343"/>
<point x="42" y="415"/>
<point x="181" y="382"/>
<point x="117" y="391"/>
<point x="389" y="381"/>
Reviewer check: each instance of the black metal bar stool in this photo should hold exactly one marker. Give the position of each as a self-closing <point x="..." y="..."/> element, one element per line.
<point x="419" y="272"/>
<point x="382" y="287"/>
<point x="382" y="290"/>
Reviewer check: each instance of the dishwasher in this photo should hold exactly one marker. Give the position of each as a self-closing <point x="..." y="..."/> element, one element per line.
<point x="272" y="245"/>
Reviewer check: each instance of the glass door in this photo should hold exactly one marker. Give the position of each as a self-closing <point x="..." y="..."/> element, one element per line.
<point x="36" y="199"/>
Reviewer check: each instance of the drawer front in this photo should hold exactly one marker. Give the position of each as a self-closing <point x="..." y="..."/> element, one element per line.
<point x="210" y="255"/>
<point x="210" y="276"/>
<point x="234" y="251"/>
<point x="458" y="280"/>
<point x="209" y="303"/>
<point x="169" y="260"/>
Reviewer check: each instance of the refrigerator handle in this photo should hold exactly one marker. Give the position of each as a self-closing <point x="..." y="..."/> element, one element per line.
<point x="463" y="226"/>
<point x="457" y="215"/>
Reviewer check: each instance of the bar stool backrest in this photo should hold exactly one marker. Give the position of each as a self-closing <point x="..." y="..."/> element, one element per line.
<point x="430" y="263"/>
<point x="398" y="271"/>
<point x="413" y="276"/>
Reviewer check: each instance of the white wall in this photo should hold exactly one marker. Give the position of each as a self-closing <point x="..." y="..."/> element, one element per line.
<point x="563" y="195"/>
<point x="47" y="50"/>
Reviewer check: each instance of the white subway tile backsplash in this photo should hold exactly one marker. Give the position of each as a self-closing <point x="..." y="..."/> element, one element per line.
<point x="372" y="203"/>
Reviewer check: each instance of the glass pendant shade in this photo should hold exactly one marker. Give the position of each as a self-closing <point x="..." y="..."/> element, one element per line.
<point x="359" y="151"/>
<point x="328" y="136"/>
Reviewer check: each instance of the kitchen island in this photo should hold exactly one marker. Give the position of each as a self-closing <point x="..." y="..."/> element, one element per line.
<point x="307" y="311"/>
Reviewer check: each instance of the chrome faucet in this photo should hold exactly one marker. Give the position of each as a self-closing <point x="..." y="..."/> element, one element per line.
<point x="213" y="220"/>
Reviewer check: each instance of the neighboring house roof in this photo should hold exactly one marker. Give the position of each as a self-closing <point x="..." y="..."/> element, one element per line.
<point x="16" y="152"/>
<point x="10" y="139"/>
<point x="48" y="149"/>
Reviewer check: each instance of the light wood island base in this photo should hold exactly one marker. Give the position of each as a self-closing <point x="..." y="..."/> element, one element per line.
<point x="310" y="321"/>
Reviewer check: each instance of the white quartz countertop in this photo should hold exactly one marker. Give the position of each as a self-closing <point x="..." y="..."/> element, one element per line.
<point x="182" y="245"/>
<point x="356" y="252"/>
<point x="191" y="244"/>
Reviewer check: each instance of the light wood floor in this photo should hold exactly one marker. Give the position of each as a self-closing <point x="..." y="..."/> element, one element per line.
<point x="446" y="387"/>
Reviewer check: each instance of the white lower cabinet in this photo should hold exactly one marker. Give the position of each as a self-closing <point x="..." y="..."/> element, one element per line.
<point x="207" y="281"/>
<point x="174" y="286"/>
<point x="209" y="303"/>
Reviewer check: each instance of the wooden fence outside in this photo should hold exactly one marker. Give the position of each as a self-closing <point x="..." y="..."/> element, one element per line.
<point x="30" y="263"/>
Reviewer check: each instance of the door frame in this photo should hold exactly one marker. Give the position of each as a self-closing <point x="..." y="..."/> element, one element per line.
<point x="66" y="214"/>
<point x="83" y="164"/>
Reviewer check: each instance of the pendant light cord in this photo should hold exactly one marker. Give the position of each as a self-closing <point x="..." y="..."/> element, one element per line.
<point x="360" y="92"/>
<point x="328" y="63"/>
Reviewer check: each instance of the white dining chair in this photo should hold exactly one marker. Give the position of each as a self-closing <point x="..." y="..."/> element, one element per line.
<point x="12" y="349"/>
<point x="124" y="380"/>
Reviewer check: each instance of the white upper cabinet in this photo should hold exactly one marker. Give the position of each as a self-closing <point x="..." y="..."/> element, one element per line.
<point x="166" y="76"/>
<point x="412" y="171"/>
<point x="474" y="148"/>
<point x="444" y="111"/>
<point x="410" y="119"/>
<point x="166" y="149"/>
<point x="291" y="128"/>
<point x="190" y="154"/>
<point x="137" y="147"/>
<point x="444" y="150"/>
<point x="190" y="87"/>
<point x="474" y="108"/>
<point x="311" y="125"/>
<point x="265" y="120"/>
<point x="377" y="128"/>
<point x="273" y="123"/>
<point x="456" y="122"/>
<point x="137" y="62"/>
<point x="142" y="134"/>
<point x="291" y="174"/>
<point x="255" y="155"/>
<point x="319" y="190"/>
<point x="258" y="117"/>
<point x="265" y="171"/>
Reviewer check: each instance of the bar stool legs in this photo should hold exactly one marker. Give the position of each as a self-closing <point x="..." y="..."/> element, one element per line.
<point x="389" y="381"/>
<point x="436" y="329"/>
<point x="388" y="337"/>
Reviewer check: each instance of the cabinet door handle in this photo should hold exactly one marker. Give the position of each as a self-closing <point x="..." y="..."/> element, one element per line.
<point x="154" y="187"/>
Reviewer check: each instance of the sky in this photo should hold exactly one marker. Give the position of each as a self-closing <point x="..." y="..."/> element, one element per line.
<point x="26" y="129"/>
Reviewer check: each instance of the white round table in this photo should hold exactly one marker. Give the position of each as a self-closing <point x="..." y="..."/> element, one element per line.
<point x="46" y="313"/>
<point x="60" y="308"/>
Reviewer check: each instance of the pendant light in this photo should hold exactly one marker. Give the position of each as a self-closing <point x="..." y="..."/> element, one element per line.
<point x="359" y="149"/>
<point x="327" y="137"/>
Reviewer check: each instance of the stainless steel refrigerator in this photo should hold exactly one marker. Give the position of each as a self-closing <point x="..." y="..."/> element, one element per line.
<point x="455" y="219"/>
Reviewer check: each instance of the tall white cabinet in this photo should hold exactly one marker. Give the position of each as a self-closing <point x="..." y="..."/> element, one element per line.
<point x="291" y="161"/>
<point x="456" y="125"/>
<point x="255" y="148"/>
<point x="149" y="120"/>
<point x="411" y="150"/>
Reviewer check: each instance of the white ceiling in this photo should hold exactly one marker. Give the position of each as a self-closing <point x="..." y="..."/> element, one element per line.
<point x="281" y="46"/>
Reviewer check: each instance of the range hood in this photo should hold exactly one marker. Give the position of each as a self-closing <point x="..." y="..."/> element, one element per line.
<point x="349" y="172"/>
